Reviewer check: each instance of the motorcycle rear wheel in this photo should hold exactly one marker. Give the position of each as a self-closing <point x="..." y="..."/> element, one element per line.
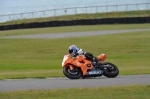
<point x="111" y="73"/>
<point x="72" y="74"/>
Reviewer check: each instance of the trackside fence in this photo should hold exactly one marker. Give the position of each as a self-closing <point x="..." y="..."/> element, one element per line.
<point x="75" y="11"/>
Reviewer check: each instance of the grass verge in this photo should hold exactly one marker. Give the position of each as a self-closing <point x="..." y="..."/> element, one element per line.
<point x="116" y="92"/>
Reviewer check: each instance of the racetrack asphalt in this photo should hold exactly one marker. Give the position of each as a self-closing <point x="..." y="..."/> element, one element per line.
<point x="63" y="83"/>
<point x="75" y="34"/>
<point x="52" y="83"/>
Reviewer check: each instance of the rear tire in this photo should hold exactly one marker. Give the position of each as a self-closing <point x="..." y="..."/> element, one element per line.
<point x="72" y="74"/>
<point x="111" y="73"/>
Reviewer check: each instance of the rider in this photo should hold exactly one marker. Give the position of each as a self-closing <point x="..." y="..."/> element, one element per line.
<point x="75" y="51"/>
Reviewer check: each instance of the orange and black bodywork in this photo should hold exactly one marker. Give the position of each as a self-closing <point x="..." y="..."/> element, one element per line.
<point x="76" y="67"/>
<point x="79" y="61"/>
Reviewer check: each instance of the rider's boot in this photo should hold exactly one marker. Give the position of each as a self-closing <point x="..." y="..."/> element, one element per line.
<point x="100" y="65"/>
<point x="97" y="62"/>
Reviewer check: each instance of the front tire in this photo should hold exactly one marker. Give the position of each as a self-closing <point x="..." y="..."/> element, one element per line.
<point x="72" y="74"/>
<point x="111" y="73"/>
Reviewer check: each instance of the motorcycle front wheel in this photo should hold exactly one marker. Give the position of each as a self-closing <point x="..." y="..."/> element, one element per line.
<point x="72" y="74"/>
<point x="111" y="72"/>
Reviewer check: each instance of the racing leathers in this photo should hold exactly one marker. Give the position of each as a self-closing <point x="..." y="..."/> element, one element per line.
<point x="88" y="56"/>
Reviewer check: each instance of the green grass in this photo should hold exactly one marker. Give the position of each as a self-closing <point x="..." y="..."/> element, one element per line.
<point x="23" y="58"/>
<point x="141" y="13"/>
<point x="124" y="92"/>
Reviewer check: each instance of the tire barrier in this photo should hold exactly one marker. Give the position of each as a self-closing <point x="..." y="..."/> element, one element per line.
<point x="125" y="20"/>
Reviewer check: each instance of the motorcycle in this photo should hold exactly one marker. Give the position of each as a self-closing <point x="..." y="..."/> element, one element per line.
<point x="80" y="67"/>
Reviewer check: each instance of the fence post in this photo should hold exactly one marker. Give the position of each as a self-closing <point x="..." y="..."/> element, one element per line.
<point x="43" y="13"/>
<point x="32" y="14"/>
<point x="86" y="10"/>
<point x="147" y="5"/>
<point x="96" y="9"/>
<point x="65" y="11"/>
<point x="9" y="17"/>
<point x="20" y="15"/>
<point x="54" y="12"/>
<point x="116" y="8"/>
<point x="75" y="10"/>
<point x="106" y="8"/>
<point x="137" y="7"/>
<point x="126" y="7"/>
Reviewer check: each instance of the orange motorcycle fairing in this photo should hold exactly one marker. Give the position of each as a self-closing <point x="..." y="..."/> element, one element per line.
<point x="79" y="61"/>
